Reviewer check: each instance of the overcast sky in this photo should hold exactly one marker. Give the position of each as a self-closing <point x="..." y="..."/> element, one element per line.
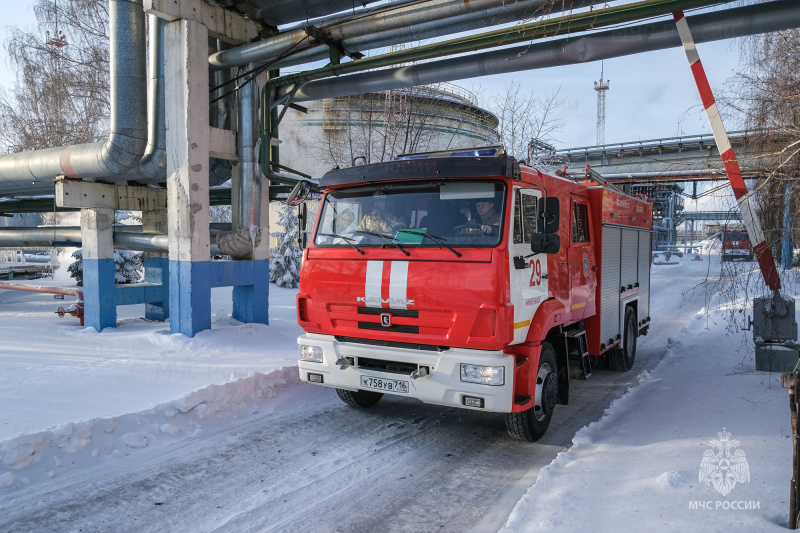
<point x="652" y="95"/>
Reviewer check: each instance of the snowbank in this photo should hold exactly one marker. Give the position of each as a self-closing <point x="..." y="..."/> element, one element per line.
<point x="642" y="465"/>
<point x="32" y="459"/>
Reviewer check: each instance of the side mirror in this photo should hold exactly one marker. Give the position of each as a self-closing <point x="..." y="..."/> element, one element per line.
<point x="299" y="193"/>
<point x="549" y="215"/>
<point x="545" y="243"/>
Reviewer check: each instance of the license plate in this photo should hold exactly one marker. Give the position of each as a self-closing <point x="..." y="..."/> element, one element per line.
<point x="389" y="385"/>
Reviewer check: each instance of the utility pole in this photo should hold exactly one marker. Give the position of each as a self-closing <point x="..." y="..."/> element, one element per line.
<point x="601" y="89"/>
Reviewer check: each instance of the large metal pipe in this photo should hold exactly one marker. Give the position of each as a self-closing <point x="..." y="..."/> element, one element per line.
<point x="572" y="23"/>
<point x="32" y="173"/>
<point x="728" y="24"/>
<point x="246" y="203"/>
<point x="71" y="236"/>
<point x="153" y="164"/>
<point x="389" y="26"/>
<point x="277" y="12"/>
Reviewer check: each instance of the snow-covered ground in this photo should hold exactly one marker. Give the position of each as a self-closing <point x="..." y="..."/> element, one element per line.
<point x="640" y="465"/>
<point x="70" y="396"/>
<point x="76" y="405"/>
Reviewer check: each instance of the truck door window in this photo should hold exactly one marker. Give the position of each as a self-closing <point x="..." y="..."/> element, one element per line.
<point x="580" y="222"/>
<point x="525" y="216"/>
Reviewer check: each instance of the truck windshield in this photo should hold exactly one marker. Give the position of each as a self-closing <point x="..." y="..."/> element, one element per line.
<point x="465" y="213"/>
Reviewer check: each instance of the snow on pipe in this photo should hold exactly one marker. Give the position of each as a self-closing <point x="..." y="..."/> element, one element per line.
<point x="247" y="200"/>
<point x="277" y="12"/>
<point x="33" y="172"/>
<point x="387" y="27"/>
<point x="736" y="22"/>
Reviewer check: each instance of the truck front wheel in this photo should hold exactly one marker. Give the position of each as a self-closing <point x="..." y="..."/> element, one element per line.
<point x="531" y="425"/>
<point x="622" y="358"/>
<point x="360" y="398"/>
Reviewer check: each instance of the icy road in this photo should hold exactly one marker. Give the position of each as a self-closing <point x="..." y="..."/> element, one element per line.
<point x="316" y="464"/>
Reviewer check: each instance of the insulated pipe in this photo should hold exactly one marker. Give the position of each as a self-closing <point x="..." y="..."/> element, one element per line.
<point x="277" y="12"/>
<point x="154" y="161"/>
<point x="567" y="24"/>
<point x="727" y="24"/>
<point x="33" y="172"/>
<point x="222" y="109"/>
<point x="66" y="236"/>
<point x="391" y="25"/>
<point x="247" y="200"/>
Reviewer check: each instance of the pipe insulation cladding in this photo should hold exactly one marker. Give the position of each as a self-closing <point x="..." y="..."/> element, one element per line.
<point x="718" y="25"/>
<point x="277" y="12"/>
<point x="31" y="173"/>
<point x="389" y="26"/>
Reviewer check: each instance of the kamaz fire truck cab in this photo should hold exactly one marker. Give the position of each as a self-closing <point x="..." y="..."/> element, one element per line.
<point x="467" y="280"/>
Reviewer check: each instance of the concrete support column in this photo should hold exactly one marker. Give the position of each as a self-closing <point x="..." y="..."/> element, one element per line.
<point x="156" y="265"/>
<point x="99" y="286"/>
<point x="186" y="60"/>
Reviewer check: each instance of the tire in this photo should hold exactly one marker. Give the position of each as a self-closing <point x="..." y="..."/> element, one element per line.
<point x="360" y="398"/>
<point x="622" y="359"/>
<point x="532" y="424"/>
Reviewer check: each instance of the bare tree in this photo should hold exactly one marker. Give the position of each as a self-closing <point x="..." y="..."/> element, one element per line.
<point x="768" y="98"/>
<point x="61" y="92"/>
<point x="526" y="116"/>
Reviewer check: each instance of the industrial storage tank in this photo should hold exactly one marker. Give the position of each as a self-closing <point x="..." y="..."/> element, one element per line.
<point x="374" y="127"/>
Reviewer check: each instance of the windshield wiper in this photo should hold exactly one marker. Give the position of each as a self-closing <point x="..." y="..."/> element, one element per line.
<point x="388" y="239"/>
<point x="434" y="238"/>
<point x="348" y="240"/>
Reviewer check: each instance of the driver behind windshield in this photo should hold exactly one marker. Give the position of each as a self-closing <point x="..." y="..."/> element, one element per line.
<point x="380" y="219"/>
<point x="490" y="220"/>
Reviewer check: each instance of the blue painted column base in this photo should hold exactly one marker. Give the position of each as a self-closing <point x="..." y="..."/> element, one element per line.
<point x="156" y="270"/>
<point x="251" y="302"/>
<point x="189" y="296"/>
<point x="190" y="284"/>
<point x="99" y="293"/>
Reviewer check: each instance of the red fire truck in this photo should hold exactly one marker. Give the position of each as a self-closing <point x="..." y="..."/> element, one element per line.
<point x="736" y="245"/>
<point x="466" y="279"/>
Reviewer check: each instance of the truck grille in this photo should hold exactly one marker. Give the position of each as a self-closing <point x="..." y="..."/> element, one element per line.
<point x="392" y="367"/>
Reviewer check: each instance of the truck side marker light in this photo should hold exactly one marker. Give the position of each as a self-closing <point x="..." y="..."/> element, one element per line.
<point x="522" y="324"/>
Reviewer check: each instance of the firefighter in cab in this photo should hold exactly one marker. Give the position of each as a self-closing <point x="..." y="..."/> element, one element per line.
<point x="380" y="219"/>
<point x="490" y="219"/>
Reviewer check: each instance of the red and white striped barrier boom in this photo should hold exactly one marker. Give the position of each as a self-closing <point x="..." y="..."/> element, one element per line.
<point x="760" y="248"/>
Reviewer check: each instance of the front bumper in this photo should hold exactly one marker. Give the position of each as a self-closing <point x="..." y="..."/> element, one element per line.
<point x="442" y="386"/>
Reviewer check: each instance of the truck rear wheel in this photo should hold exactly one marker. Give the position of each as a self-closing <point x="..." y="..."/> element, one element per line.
<point x="360" y="398"/>
<point x="532" y="424"/>
<point x="622" y="358"/>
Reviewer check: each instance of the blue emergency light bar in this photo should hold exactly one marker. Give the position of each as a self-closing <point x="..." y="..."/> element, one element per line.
<point x="492" y="151"/>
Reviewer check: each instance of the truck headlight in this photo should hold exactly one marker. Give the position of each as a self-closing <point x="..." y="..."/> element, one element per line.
<point x="485" y="375"/>
<point x="311" y="353"/>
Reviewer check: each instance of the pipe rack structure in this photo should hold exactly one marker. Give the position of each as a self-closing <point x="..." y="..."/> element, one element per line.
<point x="189" y="122"/>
